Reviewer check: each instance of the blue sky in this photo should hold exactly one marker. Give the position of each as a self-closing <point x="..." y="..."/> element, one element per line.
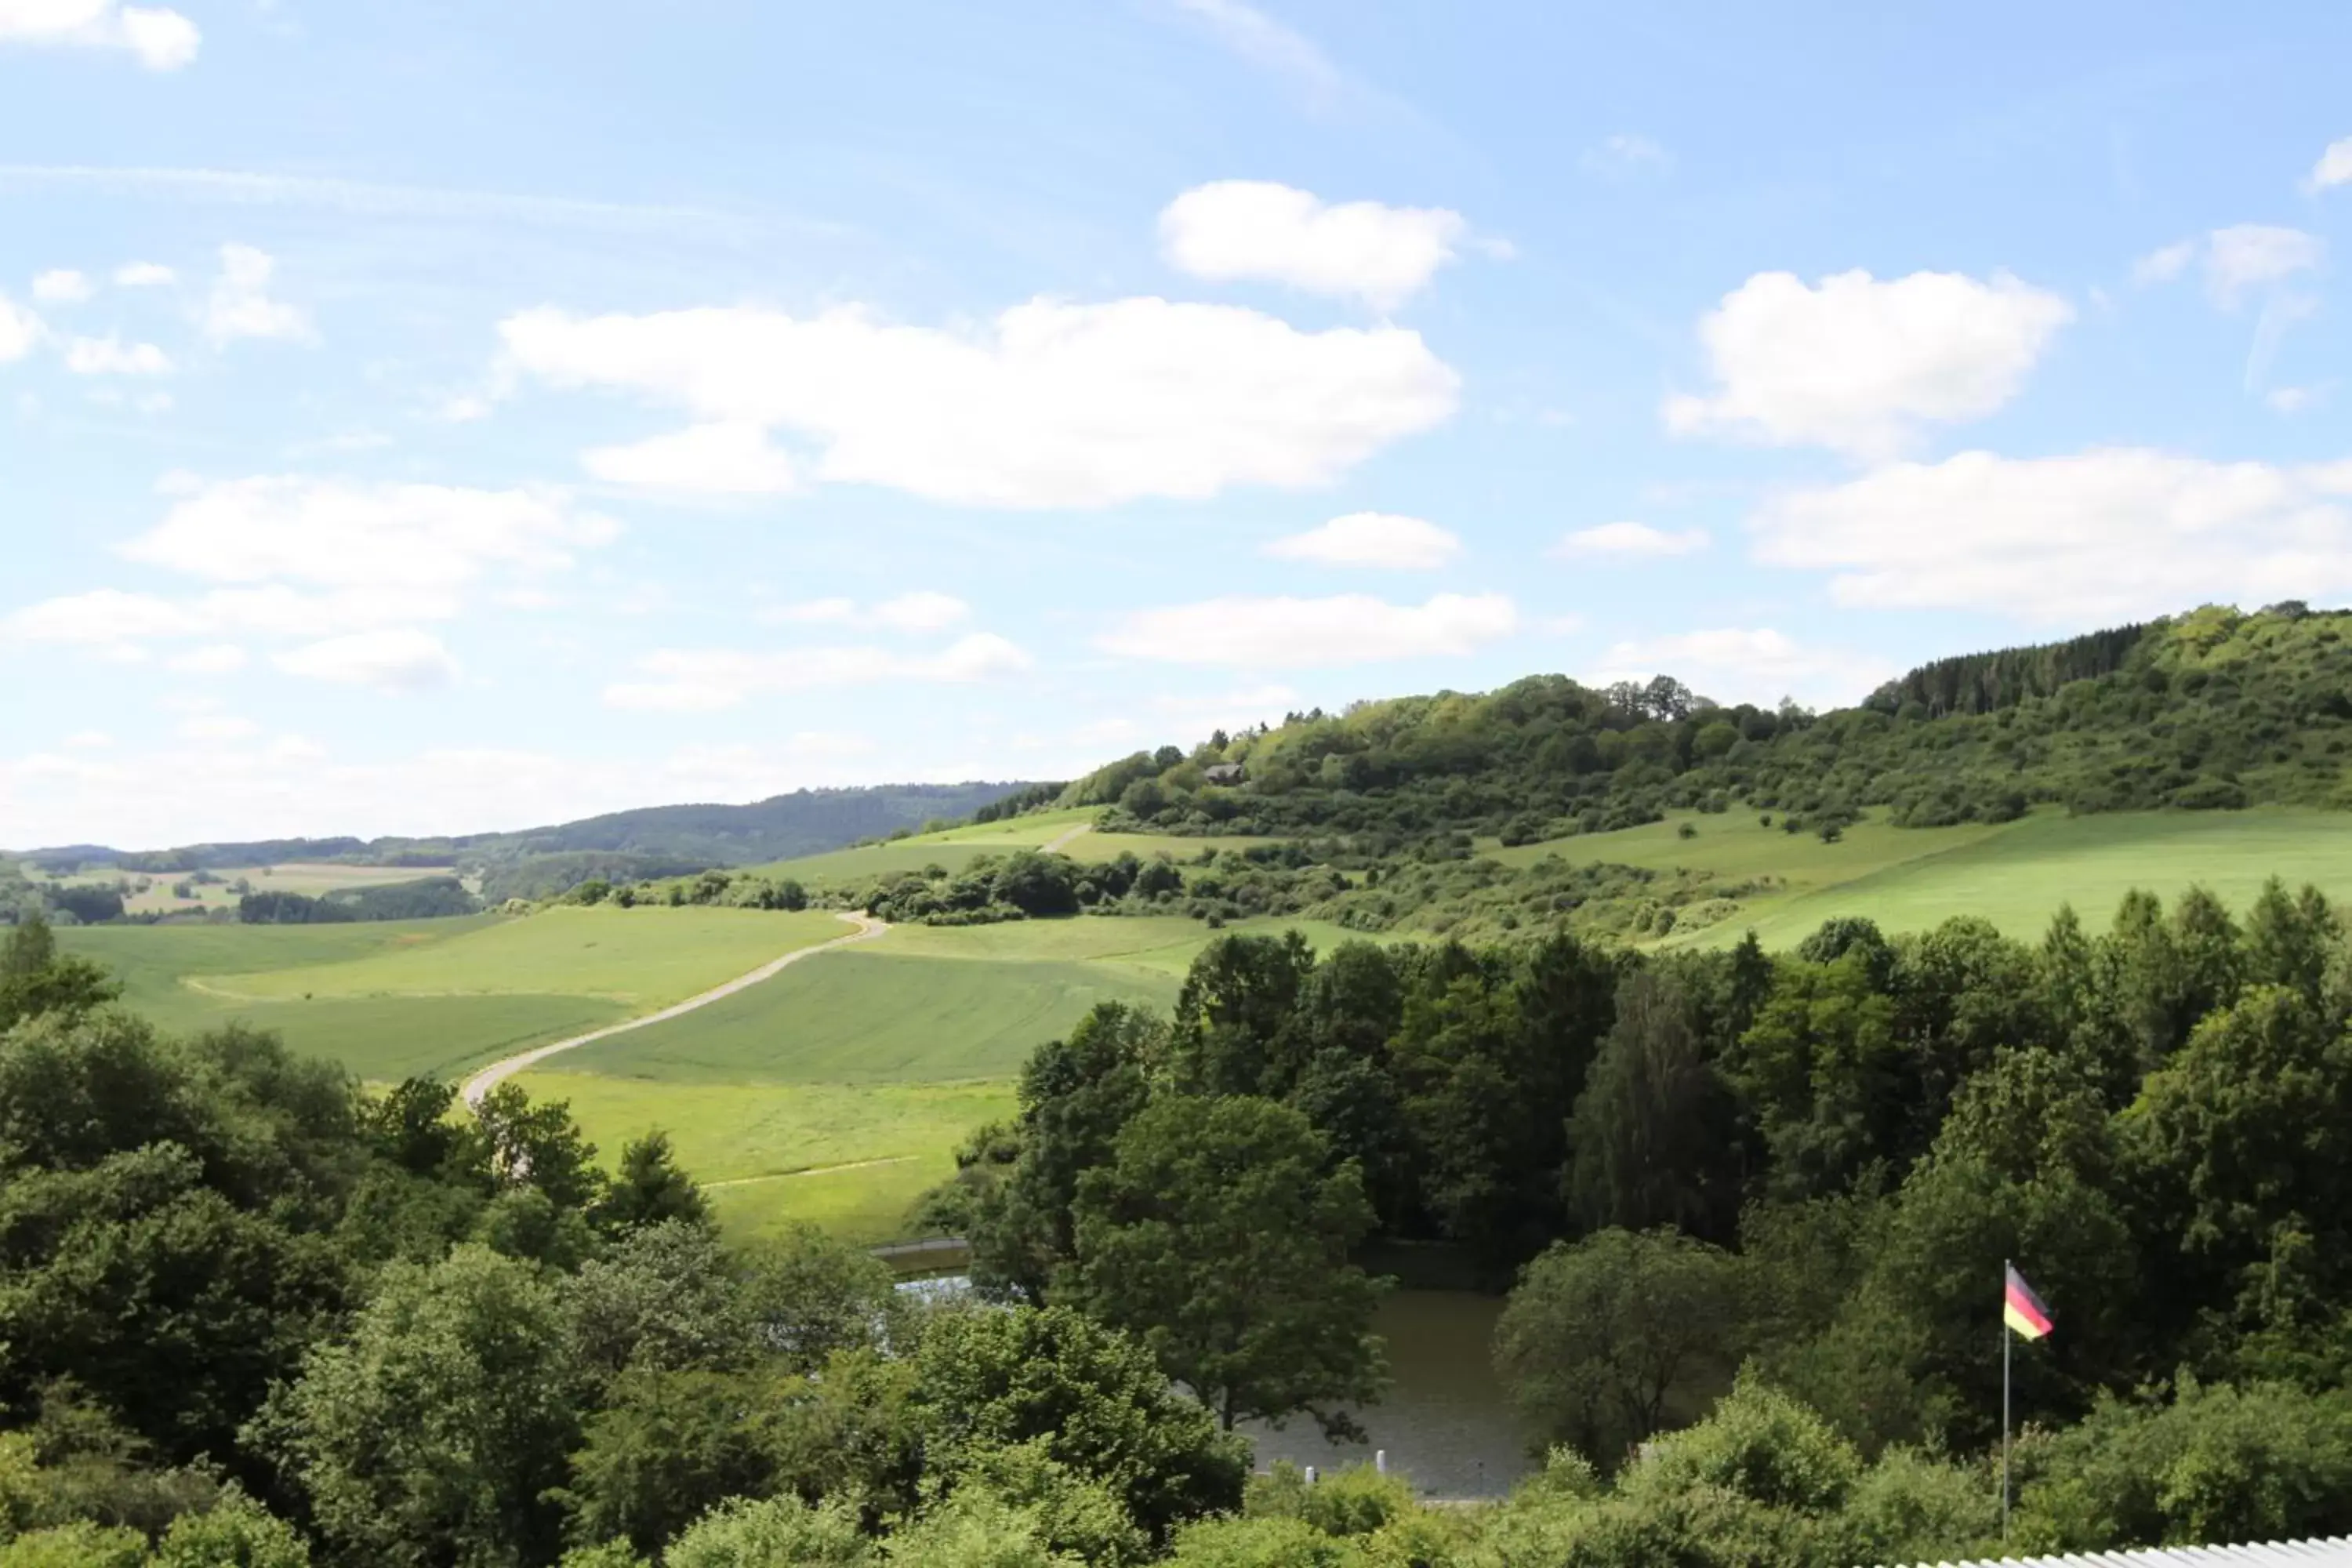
<point x="443" y="418"/>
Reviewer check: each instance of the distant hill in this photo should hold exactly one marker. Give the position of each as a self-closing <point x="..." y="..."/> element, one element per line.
<point x="2211" y="709"/>
<point x="649" y="841"/>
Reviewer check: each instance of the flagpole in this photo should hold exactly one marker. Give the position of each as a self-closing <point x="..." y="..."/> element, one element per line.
<point x="2004" y="1406"/>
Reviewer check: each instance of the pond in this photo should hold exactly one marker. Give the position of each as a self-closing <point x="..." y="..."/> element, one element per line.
<point x="1447" y="1422"/>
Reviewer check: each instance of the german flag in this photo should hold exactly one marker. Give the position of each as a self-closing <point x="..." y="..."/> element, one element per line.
<point x="2021" y="1309"/>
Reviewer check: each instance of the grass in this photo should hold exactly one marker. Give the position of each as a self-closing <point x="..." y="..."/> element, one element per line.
<point x="392" y="998"/>
<point x="853" y="1159"/>
<point x="2017" y="875"/>
<point x="870" y="1018"/>
<point x="957" y="847"/>
<point x="642" y="958"/>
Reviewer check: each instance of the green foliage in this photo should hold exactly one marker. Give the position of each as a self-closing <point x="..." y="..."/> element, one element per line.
<point x="1220" y="1234"/>
<point x="235" y="1533"/>
<point x="779" y="1532"/>
<point x="1599" y="1334"/>
<point x="2212" y="1465"/>
<point x="78" y="1545"/>
<point x="435" y="1429"/>
<point x="650" y="1188"/>
<point x="1102" y="1408"/>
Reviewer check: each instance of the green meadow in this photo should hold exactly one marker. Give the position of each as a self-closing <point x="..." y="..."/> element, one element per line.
<point x="389" y="999"/>
<point x="2014" y="874"/>
<point x="1071" y="831"/>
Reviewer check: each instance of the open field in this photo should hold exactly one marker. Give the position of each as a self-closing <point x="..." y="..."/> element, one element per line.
<point x="392" y="998"/>
<point x="867" y="1017"/>
<point x="852" y="1158"/>
<point x="643" y="958"/>
<point x="2015" y="874"/>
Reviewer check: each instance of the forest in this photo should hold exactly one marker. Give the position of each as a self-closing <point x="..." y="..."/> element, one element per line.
<point x="1751" y="1212"/>
<point x="2209" y="709"/>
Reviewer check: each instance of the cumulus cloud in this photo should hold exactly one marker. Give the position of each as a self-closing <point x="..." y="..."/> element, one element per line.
<point x="112" y="356"/>
<point x="240" y="305"/>
<point x="922" y="611"/>
<point x="1625" y="155"/>
<point x="1861" y="365"/>
<point x="2334" y="168"/>
<point x="1306" y="633"/>
<point x="1760" y="665"/>
<point x="1381" y="539"/>
<point x="62" y="286"/>
<point x="1637" y="540"/>
<point x="212" y="658"/>
<point x="395" y="659"/>
<point x="2098" y="537"/>
<point x="20" y="331"/>
<point x="162" y="41"/>
<point x="701" y="680"/>
<point x="703" y="459"/>
<point x="1230" y="230"/>
<point x="1051" y="404"/>
<point x="144" y="275"/>
<point x="217" y="727"/>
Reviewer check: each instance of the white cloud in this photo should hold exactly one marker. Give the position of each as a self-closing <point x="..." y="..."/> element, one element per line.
<point x="108" y="618"/>
<point x="2292" y="399"/>
<point x="395" y="659"/>
<point x="1624" y="154"/>
<point x="62" y="286"/>
<point x="1052" y="404"/>
<point x="1733" y="664"/>
<point x="702" y="459"/>
<point x="20" y="331"/>
<point x="464" y="408"/>
<point x="382" y="536"/>
<point x="1305" y="634"/>
<point x="217" y="727"/>
<point x="103" y="616"/>
<point x="701" y="680"/>
<point x="2236" y="259"/>
<point x="1371" y="539"/>
<point x="2103" y="536"/>
<point x="2334" y="168"/>
<point x="1630" y="539"/>
<point x="88" y="740"/>
<point x="144" y="275"/>
<point x="922" y="611"/>
<point x="112" y="356"/>
<point x="1859" y="365"/>
<point x="2250" y="254"/>
<point x="163" y="41"/>
<point x="240" y="305"/>
<point x="212" y="658"/>
<point x="1233" y="229"/>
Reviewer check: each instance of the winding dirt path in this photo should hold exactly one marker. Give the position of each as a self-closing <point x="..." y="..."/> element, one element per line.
<point x="498" y="1073"/>
<point x="1055" y="847"/>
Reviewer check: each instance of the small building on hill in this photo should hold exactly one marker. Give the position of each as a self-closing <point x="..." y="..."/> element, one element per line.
<point x="1223" y="773"/>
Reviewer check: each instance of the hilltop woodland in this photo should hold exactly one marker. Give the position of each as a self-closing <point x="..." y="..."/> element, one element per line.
<point x="1753" y="1210"/>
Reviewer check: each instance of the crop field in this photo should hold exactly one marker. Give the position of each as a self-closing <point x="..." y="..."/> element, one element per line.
<point x="2015" y="874"/>
<point x="837" y="1090"/>
<point x="394" y="998"/>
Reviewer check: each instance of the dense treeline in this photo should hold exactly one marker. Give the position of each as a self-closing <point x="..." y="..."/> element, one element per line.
<point x="2211" y="709"/>
<point x="1815" y="1165"/>
<point x="427" y="898"/>
<point x="1756" y="1209"/>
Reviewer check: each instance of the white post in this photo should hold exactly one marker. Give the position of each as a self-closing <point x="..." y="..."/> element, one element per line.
<point x="1380" y="1461"/>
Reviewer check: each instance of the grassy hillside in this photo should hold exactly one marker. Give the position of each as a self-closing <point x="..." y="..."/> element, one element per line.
<point x="437" y="997"/>
<point x="2207" y="711"/>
